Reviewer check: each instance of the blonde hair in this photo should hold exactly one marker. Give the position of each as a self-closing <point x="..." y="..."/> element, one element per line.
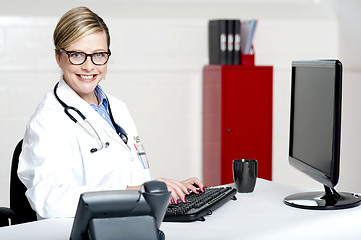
<point x="76" y="24"/>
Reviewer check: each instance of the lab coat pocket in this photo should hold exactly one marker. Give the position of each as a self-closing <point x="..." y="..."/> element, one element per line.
<point x="108" y="168"/>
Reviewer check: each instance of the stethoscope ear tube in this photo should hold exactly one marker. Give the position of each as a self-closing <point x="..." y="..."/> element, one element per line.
<point x="57" y="97"/>
<point x="66" y="110"/>
<point x="67" y="107"/>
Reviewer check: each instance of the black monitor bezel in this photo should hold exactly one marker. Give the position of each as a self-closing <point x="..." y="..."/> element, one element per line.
<point x="329" y="179"/>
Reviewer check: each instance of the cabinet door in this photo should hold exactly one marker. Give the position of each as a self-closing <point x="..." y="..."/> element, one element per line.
<point x="247" y="119"/>
<point x="212" y="120"/>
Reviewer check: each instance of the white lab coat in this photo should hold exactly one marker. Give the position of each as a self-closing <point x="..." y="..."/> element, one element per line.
<point x="56" y="164"/>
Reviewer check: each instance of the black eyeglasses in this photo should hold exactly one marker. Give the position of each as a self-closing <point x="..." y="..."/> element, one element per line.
<point x="78" y="58"/>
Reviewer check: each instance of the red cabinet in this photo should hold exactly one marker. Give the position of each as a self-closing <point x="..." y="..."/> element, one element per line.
<point x="237" y="120"/>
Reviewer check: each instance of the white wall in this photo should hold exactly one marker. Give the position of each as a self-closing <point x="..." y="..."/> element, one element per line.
<point x="159" y="49"/>
<point x="349" y="18"/>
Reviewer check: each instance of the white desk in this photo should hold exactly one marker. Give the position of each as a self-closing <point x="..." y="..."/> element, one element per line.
<point x="258" y="215"/>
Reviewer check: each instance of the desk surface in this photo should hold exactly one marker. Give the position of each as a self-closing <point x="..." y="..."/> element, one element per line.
<point x="258" y="215"/>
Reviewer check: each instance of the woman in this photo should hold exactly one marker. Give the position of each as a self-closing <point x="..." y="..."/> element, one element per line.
<point x="63" y="155"/>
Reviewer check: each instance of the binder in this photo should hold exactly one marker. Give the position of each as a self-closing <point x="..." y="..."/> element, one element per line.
<point x="217" y="41"/>
<point x="237" y="43"/>
<point x="230" y="42"/>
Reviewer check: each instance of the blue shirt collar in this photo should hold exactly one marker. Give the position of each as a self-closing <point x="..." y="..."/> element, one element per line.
<point x="102" y="98"/>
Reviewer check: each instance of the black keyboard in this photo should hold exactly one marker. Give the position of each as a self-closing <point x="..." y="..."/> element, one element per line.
<point x="199" y="205"/>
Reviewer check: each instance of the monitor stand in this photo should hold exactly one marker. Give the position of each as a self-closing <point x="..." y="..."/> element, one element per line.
<point x="328" y="200"/>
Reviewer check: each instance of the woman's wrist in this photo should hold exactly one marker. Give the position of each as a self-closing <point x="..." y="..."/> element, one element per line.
<point x="133" y="187"/>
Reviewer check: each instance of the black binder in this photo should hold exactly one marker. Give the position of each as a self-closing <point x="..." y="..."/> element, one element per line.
<point x="237" y="43"/>
<point x="230" y="42"/>
<point x="217" y="42"/>
<point x="224" y="38"/>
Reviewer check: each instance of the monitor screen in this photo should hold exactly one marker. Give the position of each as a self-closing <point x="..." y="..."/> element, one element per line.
<point x="315" y="132"/>
<point x="315" y="123"/>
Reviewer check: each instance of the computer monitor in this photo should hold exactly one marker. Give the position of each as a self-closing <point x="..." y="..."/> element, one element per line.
<point x="315" y="132"/>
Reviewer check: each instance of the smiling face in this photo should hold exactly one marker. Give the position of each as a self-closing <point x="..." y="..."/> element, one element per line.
<point x="85" y="77"/>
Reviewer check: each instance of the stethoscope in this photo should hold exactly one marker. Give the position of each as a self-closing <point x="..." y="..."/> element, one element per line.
<point x="96" y="136"/>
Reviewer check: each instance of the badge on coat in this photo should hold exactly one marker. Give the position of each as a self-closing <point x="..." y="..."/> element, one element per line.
<point x="142" y="156"/>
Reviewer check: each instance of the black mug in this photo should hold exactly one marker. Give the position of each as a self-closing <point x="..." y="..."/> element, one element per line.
<point x="245" y="174"/>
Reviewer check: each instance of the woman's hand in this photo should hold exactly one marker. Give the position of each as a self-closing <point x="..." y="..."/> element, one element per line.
<point x="180" y="189"/>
